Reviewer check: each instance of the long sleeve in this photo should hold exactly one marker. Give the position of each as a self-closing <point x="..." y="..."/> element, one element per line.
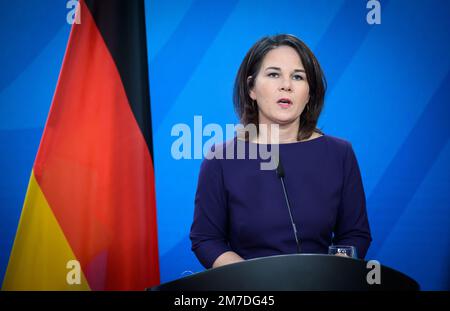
<point x="209" y="227"/>
<point x="352" y="225"/>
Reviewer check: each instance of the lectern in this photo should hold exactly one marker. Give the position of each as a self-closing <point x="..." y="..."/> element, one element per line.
<point x="299" y="272"/>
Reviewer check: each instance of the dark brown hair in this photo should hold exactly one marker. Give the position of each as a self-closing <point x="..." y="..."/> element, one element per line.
<point x="250" y="66"/>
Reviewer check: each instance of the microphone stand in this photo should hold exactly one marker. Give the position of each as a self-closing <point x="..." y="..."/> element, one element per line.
<point x="280" y="174"/>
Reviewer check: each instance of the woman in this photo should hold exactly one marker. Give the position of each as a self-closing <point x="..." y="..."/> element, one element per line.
<point x="240" y="210"/>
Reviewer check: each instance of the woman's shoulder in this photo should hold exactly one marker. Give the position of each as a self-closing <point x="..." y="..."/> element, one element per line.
<point x="337" y="142"/>
<point x="343" y="149"/>
<point x="322" y="139"/>
<point x="339" y="146"/>
<point x="218" y="151"/>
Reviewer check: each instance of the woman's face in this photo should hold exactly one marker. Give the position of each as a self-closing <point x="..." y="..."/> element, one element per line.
<point x="280" y="89"/>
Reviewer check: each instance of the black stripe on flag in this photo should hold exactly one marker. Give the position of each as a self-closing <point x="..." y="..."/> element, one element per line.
<point x="122" y="25"/>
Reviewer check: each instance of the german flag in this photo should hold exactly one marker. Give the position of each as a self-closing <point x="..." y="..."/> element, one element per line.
<point x="89" y="216"/>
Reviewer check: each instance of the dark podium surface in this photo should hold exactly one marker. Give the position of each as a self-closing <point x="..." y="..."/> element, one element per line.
<point x="300" y="272"/>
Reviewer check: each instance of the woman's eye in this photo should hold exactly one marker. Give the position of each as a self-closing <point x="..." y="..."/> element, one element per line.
<point x="273" y="74"/>
<point x="298" y="77"/>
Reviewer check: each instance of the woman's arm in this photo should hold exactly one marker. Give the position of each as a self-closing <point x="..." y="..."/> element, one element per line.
<point x="226" y="259"/>
<point x="352" y="225"/>
<point x="210" y="225"/>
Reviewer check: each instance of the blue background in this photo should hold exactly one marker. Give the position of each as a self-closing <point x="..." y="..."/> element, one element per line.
<point x="388" y="94"/>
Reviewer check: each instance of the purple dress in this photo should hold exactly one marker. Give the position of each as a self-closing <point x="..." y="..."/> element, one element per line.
<point x="241" y="208"/>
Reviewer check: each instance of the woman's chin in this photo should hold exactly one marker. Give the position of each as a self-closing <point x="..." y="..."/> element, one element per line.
<point x="284" y="120"/>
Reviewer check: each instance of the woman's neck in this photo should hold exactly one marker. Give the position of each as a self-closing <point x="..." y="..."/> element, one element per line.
<point x="277" y="134"/>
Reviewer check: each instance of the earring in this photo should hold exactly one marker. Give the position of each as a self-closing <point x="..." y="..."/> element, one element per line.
<point x="254" y="104"/>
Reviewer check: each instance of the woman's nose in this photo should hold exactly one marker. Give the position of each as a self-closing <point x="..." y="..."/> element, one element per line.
<point x="286" y="85"/>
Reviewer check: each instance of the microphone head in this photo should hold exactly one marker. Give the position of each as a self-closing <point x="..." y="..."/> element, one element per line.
<point x="280" y="169"/>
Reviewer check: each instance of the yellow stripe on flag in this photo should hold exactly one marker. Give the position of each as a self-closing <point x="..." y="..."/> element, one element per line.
<point x="41" y="252"/>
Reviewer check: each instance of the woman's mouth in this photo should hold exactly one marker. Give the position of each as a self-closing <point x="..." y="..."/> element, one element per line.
<point x="284" y="103"/>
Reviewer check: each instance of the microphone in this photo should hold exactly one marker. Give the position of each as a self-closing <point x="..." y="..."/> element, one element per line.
<point x="280" y="174"/>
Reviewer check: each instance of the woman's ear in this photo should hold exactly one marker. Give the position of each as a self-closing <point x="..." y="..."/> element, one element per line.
<point x="250" y="84"/>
